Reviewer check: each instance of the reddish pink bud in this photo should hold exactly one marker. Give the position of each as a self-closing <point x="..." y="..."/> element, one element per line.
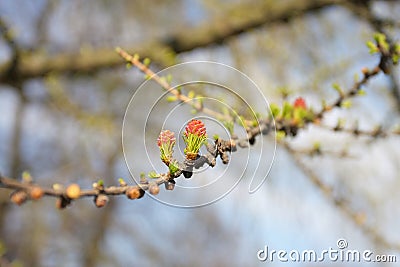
<point x="300" y="103"/>
<point x="194" y="136"/>
<point x="166" y="137"/>
<point x="195" y="127"/>
<point x="166" y="142"/>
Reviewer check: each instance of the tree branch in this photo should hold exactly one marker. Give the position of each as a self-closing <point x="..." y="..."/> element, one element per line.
<point x="26" y="190"/>
<point x="221" y="148"/>
<point x="237" y="20"/>
<point x="377" y="132"/>
<point x="9" y="69"/>
<point x="364" y="12"/>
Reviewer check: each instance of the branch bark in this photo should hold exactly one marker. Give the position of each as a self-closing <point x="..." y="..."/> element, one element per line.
<point x="239" y="19"/>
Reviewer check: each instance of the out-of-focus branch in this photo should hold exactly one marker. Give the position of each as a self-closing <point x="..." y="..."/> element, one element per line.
<point x="341" y="202"/>
<point x="395" y="89"/>
<point x="14" y="148"/>
<point x="61" y="101"/>
<point x="377" y="132"/>
<point x="317" y="150"/>
<point x="351" y="92"/>
<point x="43" y="21"/>
<point x="242" y="18"/>
<point x="93" y="254"/>
<point x="364" y="11"/>
<point x="7" y="35"/>
<point x="237" y="20"/>
<point x="9" y="69"/>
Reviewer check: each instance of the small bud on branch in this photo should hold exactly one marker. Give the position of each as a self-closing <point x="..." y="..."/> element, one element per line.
<point x="194" y="136"/>
<point x="166" y="142"/>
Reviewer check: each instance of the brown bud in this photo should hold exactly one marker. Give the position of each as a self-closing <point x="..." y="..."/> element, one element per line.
<point x="36" y="193"/>
<point x="154" y="189"/>
<point x="365" y="70"/>
<point x="225" y="158"/>
<point x="73" y="191"/>
<point x="19" y="197"/>
<point x="101" y="200"/>
<point x="134" y="192"/>
<point x="170" y="185"/>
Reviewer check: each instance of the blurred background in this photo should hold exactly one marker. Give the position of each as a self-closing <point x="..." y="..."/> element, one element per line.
<point x="64" y="92"/>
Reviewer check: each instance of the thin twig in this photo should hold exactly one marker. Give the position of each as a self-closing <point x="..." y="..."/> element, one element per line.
<point x="377" y="132"/>
<point x="166" y="86"/>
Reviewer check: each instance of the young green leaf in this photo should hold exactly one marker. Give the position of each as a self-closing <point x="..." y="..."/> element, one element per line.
<point x="153" y="175"/>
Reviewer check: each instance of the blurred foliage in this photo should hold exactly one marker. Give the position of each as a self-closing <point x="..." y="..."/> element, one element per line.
<point x="63" y="96"/>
